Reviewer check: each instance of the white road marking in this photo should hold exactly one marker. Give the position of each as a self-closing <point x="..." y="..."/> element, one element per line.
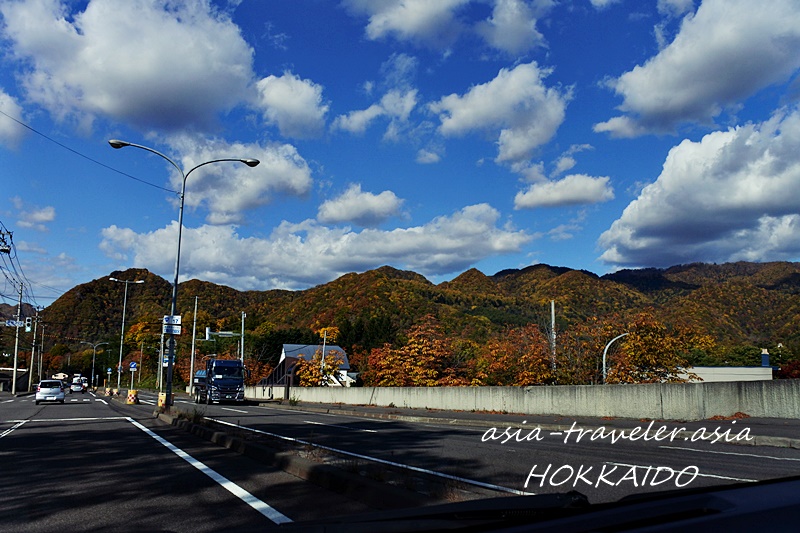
<point x="732" y="453"/>
<point x="377" y="460"/>
<point x="338" y="426"/>
<point x="9" y="430"/>
<point x="701" y="475"/>
<point x="234" y="410"/>
<point x="228" y="485"/>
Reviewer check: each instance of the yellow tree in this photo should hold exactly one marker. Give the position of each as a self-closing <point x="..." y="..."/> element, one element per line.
<point x="315" y="373"/>
<point x="652" y="352"/>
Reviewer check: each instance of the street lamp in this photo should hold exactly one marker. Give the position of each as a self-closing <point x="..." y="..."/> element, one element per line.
<point x="94" y="354"/>
<point x="122" y="333"/>
<point x="115" y="143"/>
<point x="606" y="351"/>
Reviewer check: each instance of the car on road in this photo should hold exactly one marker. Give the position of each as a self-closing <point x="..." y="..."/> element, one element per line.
<point x="51" y="390"/>
<point x="77" y="387"/>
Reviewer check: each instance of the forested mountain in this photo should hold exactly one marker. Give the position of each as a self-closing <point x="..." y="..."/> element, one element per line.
<point x="736" y="304"/>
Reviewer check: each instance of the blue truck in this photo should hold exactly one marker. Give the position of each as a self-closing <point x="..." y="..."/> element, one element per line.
<point x="222" y="380"/>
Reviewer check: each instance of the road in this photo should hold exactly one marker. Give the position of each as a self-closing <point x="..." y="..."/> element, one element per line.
<point x="101" y="465"/>
<point x="530" y="462"/>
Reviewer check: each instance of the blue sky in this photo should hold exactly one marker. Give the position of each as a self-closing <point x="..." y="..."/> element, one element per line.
<point x="430" y="136"/>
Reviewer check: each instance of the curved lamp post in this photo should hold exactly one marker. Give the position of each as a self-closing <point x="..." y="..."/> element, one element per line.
<point x="94" y="354"/>
<point x="115" y="143"/>
<point x="605" y="351"/>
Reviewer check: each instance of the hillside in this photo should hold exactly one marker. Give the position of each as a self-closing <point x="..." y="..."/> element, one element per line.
<point x="737" y="303"/>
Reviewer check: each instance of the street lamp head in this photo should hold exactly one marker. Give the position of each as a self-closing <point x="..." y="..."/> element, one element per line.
<point x="115" y="143"/>
<point x="251" y="162"/>
<point x="113" y="279"/>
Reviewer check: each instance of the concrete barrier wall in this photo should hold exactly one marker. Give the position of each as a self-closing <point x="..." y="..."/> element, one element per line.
<point x="669" y="401"/>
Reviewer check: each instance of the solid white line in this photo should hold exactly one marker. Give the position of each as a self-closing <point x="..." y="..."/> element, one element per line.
<point x="732" y="453"/>
<point x="338" y="426"/>
<point x="101" y="401"/>
<point x="9" y="430"/>
<point x="234" y="410"/>
<point x="377" y="460"/>
<point x="228" y="485"/>
<point x="701" y="475"/>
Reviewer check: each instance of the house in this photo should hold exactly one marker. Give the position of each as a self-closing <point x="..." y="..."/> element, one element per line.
<point x="292" y="353"/>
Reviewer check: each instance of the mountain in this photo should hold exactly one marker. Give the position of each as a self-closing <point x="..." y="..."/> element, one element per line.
<point x="736" y="303"/>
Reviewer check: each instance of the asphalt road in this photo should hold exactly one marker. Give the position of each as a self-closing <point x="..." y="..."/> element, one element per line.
<point x="546" y="461"/>
<point x="94" y="464"/>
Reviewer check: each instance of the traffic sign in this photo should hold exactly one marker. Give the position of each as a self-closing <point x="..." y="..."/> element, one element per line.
<point x="171" y="330"/>
<point x="15" y="323"/>
<point x="173" y="320"/>
<point x="133" y="366"/>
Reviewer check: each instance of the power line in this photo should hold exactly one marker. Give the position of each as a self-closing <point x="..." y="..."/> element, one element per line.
<point x="96" y="162"/>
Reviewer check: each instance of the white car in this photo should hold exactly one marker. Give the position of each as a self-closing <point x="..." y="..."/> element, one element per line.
<point x="50" y="390"/>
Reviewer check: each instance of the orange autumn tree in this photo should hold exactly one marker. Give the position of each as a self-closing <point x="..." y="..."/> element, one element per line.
<point x="418" y="363"/>
<point x="654" y="353"/>
<point x="521" y="356"/>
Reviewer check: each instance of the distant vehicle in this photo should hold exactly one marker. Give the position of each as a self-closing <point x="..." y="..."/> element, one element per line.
<point x="50" y="390"/>
<point x="222" y="380"/>
<point x="77" y="386"/>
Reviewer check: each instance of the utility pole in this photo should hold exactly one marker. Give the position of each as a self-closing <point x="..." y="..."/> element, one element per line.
<point x="16" y="343"/>
<point x="553" y="332"/>
<point x="33" y="352"/>
<point x="194" y="340"/>
<point x="244" y="315"/>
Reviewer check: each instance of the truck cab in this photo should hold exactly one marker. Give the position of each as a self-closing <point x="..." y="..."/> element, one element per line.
<point x="221" y="381"/>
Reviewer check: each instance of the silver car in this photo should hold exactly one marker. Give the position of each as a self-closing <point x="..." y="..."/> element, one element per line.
<point x="50" y="390"/>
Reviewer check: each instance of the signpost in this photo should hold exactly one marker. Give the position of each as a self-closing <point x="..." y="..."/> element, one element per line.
<point x="171" y="325"/>
<point x="133" y="369"/>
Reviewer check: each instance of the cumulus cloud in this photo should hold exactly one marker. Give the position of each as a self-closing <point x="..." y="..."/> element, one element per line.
<point x="120" y="59"/>
<point x="418" y="21"/>
<point x="574" y="189"/>
<point x="33" y="217"/>
<point x="512" y="27"/>
<point x="294" y="105"/>
<point x="300" y="255"/>
<point x="727" y="51"/>
<point x="230" y="189"/>
<point x="516" y="104"/>
<point x="363" y="208"/>
<point x="727" y="197"/>
<point x="11" y="132"/>
<point x="395" y="105"/>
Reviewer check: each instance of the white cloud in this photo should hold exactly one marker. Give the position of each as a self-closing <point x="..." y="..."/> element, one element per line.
<point x="427" y="157"/>
<point x="603" y="4"/>
<point x="727" y="197"/>
<point x="727" y="51"/>
<point x="675" y="8"/>
<point x="418" y="21"/>
<point x="516" y="102"/>
<point x="512" y="27"/>
<point x="396" y="105"/>
<point x="11" y="133"/>
<point x="574" y="189"/>
<point x="230" y="189"/>
<point x="295" y="105"/>
<point x="363" y="208"/>
<point x="33" y="217"/>
<point x="120" y="59"/>
<point x="306" y="254"/>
